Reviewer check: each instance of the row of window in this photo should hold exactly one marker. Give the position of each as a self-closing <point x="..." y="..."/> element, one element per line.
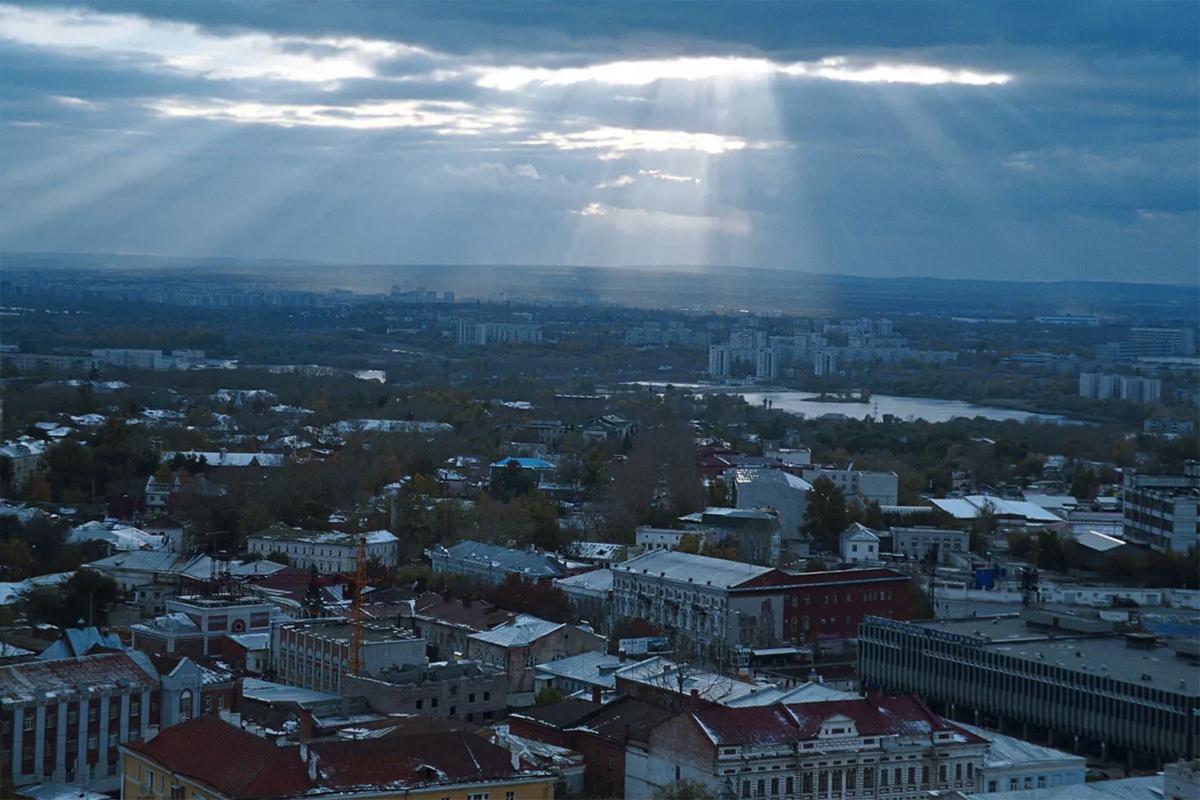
<point x="847" y="779"/>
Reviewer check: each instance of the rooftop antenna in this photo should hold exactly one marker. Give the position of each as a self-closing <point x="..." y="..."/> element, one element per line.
<point x="356" y="611"/>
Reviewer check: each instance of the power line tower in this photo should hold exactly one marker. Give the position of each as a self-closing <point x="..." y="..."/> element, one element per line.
<point x="356" y="611"/>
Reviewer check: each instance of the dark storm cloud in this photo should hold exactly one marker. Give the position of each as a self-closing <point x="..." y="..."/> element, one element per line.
<point x="1031" y="140"/>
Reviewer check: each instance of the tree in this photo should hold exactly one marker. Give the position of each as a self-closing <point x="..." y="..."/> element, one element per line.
<point x="547" y="696"/>
<point x="919" y="604"/>
<point x="825" y="515"/>
<point x="684" y="790"/>
<point x="689" y="543"/>
<point x="279" y="557"/>
<point x="1085" y="484"/>
<point x="511" y="481"/>
<point x="86" y="596"/>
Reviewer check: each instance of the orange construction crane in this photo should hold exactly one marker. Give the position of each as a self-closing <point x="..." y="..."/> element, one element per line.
<point x="356" y="612"/>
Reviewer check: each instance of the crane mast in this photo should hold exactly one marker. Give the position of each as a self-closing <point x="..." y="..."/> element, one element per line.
<point x="356" y="611"/>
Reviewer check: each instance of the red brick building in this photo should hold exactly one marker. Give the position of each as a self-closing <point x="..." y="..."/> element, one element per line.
<point x="831" y="604"/>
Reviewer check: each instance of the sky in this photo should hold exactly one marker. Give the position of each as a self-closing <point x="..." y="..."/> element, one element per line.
<point x="1004" y="140"/>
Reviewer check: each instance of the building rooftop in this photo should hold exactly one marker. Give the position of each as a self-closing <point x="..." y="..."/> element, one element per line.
<point x="270" y="692"/>
<point x="477" y="615"/>
<point x="778" y="724"/>
<point x="506" y="559"/>
<point x="32" y="681"/>
<point x="522" y="631"/>
<point x="972" y="506"/>
<point x="157" y="561"/>
<point x="1146" y="788"/>
<point x="702" y="570"/>
<point x="597" y="580"/>
<point x="594" y="667"/>
<point x="746" y="475"/>
<point x="338" y="631"/>
<point x="1008" y="751"/>
<point x="281" y="532"/>
<point x="221" y="458"/>
<point x="1107" y="655"/>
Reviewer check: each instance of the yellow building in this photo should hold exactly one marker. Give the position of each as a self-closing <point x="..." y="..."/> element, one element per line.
<point x="210" y="759"/>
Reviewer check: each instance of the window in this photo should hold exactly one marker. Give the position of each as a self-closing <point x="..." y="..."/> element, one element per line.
<point x="762" y="786"/>
<point x="912" y="775"/>
<point x="207" y="704"/>
<point x="471" y="697"/>
<point x="774" y="787"/>
<point x="789" y="786"/>
<point x="924" y="775"/>
<point x="420" y="704"/>
<point x="808" y="783"/>
<point x="28" y="723"/>
<point x="992" y="786"/>
<point x="479" y="796"/>
<point x="487" y="696"/>
<point x="185" y="705"/>
<point x="149" y="779"/>
<point x="433" y="702"/>
<point x="942" y="773"/>
<point x="883" y="773"/>
<point x="510" y="796"/>
<point x="869" y="778"/>
<point x="958" y="772"/>
<point x="745" y="788"/>
<point x="1041" y="781"/>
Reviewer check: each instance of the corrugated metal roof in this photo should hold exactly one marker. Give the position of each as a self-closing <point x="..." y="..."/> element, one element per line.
<point x="524" y="630"/>
<point x="1147" y="788"/>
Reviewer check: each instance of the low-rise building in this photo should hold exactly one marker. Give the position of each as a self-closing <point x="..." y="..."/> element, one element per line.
<point x="63" y="720"/>
<point x="316" y="654"/>
<point x="590" y="595"/>
<point x="195" y="625"/>
<point x="1047" y="673"/>
<point x="919" y="543"/>
<point x="784" y="493"/>
<point x="212" y="758"/>
<point x="863" y="485"/>
<point x="464" y="690"/>
<point x="445" y="622"/>
<point x="1163" y="510"/>
<point x="328" y="551"/>
<point x="859" y="544"/>
<point x="1013" y="764"/>
<point x="519" y="646"/>
<point x="609" y="736"/>
<point x="844" y="748"/>
<point x="492" y="563"/>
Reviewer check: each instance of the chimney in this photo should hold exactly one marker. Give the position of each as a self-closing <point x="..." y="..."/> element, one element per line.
<point x="224" y="714"/>
<point x="628" y="733"/>
<point x="516" y="759"/>
<point x="306" y="725"/>
<point x="151" y="732"/>
<point x="235" y="719"/>
<point x="595" y="694"/>
<point x="694" y="700"/>
<point x="303" y="753"/>
<point x="312" y="766"/>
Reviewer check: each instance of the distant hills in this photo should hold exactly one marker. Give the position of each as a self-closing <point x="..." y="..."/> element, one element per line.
<point x="683" y="287"/>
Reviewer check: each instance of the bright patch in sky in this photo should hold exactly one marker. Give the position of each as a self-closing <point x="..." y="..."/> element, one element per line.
<point x="187" y="48"/>
<point x="613" y="142"/>
<point x="442" y="117"/>
<point x="644" y="73"/>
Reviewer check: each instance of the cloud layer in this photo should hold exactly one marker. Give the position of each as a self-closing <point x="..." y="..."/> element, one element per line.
<point x="825" y="138"/>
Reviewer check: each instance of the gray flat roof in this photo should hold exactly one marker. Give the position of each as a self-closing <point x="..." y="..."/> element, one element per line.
<point x="1108" y="656"/>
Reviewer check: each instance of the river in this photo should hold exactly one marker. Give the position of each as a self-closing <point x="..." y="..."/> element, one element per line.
<point x="906" y="408"/>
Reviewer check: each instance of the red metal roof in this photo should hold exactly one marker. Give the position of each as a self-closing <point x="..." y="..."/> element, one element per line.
<point x="778" y="724"/>
<point x="777" y="578"/>
<point x="228" y="759"/>
<point x="244" y="766"/>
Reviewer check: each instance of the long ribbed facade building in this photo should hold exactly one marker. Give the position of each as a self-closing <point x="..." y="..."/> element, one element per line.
<point x="1073" y="687"/>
